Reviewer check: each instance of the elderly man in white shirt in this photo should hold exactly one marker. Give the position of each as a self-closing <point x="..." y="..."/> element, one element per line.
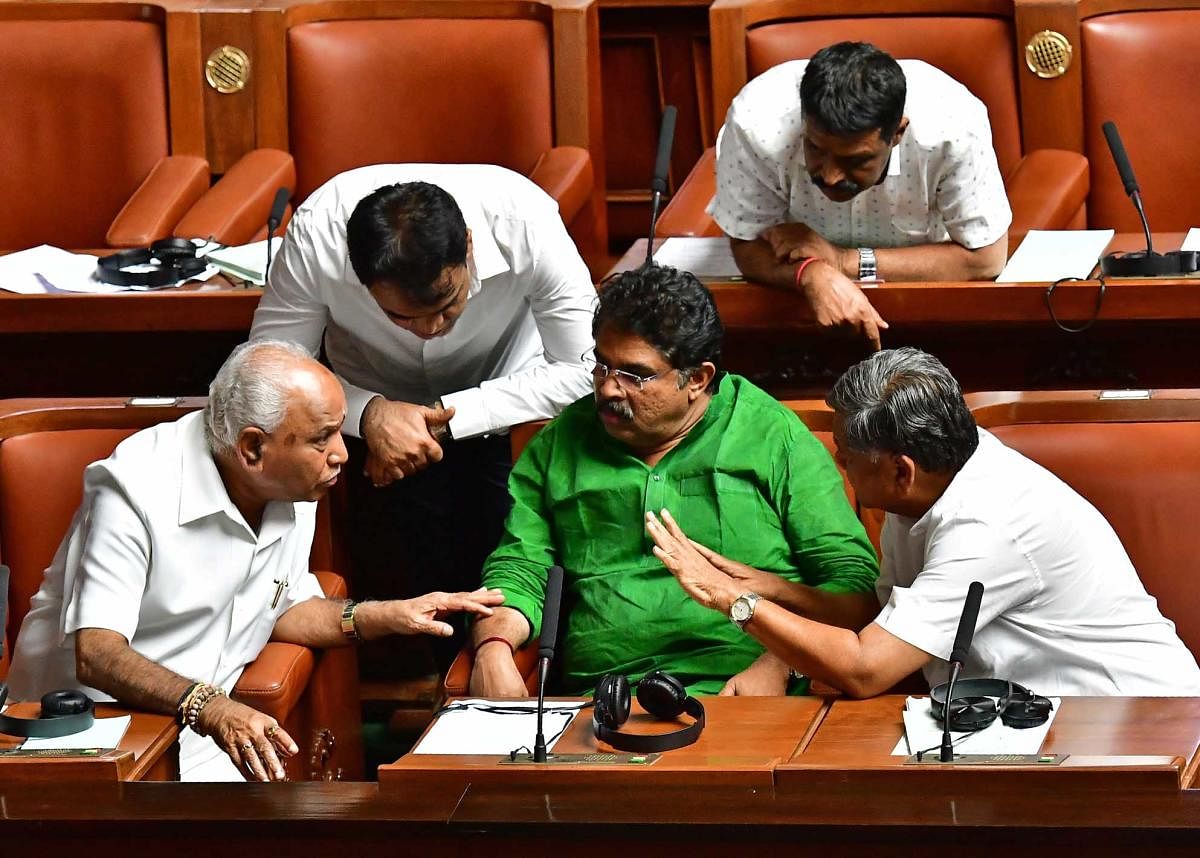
<point x="873" y="169"/>
<point x="1063" y="611"/>
<point x="190" y="551"/>
<point x="452" y="304"/>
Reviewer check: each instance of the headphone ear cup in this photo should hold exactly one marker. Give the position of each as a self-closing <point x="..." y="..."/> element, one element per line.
<point x="612" y="701"/>
<point x="1023" y="709"/>
<point x="968" y="714"/>
<point x="662" y="695"/>
<point x="55" y="704"/>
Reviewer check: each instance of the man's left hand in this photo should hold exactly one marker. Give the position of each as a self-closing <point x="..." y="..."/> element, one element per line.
<point x="766" y="677"/>
<point x="792" y="242"/>
<point x="704" y="582"/>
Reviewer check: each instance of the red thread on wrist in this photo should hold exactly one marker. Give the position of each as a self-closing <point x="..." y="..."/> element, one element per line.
<point x="486" y="641"/>
<point x="808" y="260"/>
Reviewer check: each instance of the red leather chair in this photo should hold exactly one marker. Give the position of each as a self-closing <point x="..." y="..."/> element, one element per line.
<point x="90" y="161"/>
<point x="44" y="447"/>
<point x="971" y="40"/>
<point x="1137" y="461"/>
<point x="443" y="81"/>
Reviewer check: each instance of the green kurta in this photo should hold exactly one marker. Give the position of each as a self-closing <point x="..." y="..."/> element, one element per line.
<point x="749" y="481"/>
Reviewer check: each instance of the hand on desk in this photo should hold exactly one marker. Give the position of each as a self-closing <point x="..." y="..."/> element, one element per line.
<point x="252" y="740"/>
<point x="401" y="438"/>
<point x="766" y="677"/>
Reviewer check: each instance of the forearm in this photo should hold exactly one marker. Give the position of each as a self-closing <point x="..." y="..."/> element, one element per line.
<point x="318" y="623"/>
<point x="826" y="653"/>
<point x="758" y="264"/>
<point x="104" y="660"/>
<point x="934" y="262"/>
<point x="506" y="623"/>
<point x="537" y="393"/>
<point x="845" y="610"/>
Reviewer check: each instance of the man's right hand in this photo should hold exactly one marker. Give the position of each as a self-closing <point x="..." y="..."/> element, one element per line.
<point x="253" y="740"/>
<point x="836" y="300"/>
<point x="495" y="673"/>
<point x="399" y="439"/>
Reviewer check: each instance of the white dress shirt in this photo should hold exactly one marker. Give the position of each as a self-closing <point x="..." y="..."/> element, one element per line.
<point x="513" y="355"/>
<point x="158" y="553"/>
<point x="1063" y="609"/>
<point x="942" y="181"/>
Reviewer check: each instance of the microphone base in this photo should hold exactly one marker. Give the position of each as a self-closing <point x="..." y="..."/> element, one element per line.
<point x="597" y="759"/>
<point x="1040" y="761"/>
<point x="1177" y="263"/>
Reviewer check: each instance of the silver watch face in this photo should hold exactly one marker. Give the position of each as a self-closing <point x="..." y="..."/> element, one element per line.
<point x="740" y="611"/>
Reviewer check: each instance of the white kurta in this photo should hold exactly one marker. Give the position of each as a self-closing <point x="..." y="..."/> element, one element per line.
<point x="158" y="553"/>
<point x="942" y="182"/>
<point x="514" y="354"/>
<point x="1063" y="610"/>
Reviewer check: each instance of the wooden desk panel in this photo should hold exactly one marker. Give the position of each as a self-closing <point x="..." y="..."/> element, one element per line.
<point x="1122" y="743"/>
<point x="148" y="751"/>
<point x="743" y="739"/>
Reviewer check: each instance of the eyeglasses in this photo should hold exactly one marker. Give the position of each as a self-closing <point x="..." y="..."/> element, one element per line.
<point x="624" y="379"/>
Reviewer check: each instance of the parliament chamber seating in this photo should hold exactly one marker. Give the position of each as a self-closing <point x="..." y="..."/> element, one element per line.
<point x="90" y="158"/>
<point x="44" y="447"/>
<point x="972" y="41"/>
<point x="450" y="81"/>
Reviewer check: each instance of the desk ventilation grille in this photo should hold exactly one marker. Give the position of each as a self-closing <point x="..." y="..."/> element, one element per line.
<point x="227" y="69"/>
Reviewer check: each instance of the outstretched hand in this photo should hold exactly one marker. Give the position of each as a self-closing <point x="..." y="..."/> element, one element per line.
<point x="423" y="614"/>
<point x="700" y="579"/>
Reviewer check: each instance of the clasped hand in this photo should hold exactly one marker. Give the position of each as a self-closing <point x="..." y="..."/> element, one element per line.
<point x="400" y="439"/>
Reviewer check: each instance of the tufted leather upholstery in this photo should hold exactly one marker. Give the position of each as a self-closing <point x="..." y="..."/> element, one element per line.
<point x="83" y="105"/>
<point x="1140" y="70"/>
<point x="977" y="52"/>
<point x="417" y="90"/>
<point x="41" y="485"/>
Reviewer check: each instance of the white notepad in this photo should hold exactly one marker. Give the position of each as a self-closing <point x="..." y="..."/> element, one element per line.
<point x="467" y="727"/>
<point x="922" y="731"/>
<point x="1048" y="255"/>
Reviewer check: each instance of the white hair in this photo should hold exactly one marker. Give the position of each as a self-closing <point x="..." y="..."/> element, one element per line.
<point x="250" y="389"/>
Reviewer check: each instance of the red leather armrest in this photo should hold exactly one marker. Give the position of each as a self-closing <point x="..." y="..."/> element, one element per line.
<point x="274" y="682"/>
<point x="685" y="214"/>
<point x="565" y="173"/>
<point x="1046" y="191"/>
<point x="235" y="209"/>
<point x="173" y="187"/>
<point x="458" y="677"/>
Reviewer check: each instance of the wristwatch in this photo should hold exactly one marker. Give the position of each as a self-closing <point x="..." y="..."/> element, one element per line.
<point x="742" y="609"/>
<point x="867" y="270"/>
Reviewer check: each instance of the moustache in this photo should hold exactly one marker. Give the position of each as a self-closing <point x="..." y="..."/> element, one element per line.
<point x="845" y="186"/>
<point x="615" y="406"/>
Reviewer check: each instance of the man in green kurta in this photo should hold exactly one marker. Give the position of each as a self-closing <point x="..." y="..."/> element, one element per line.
<point x="666" y="428"/>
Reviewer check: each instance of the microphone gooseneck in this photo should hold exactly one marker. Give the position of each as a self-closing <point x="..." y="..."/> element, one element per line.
<point x="662" y="165"/>
<point x="550" y="613"/>
<point x="1125" y="169"/>
<point x="958" y="655"/>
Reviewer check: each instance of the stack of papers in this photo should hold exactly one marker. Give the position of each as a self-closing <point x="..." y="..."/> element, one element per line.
<point x="1048" y="255"/>
<point x="247" y="261"/>
<point x="707" y="258"/>
<point x="497" y="727"/>
<point x="922" y="732"/>
<point x="46" y="270"/>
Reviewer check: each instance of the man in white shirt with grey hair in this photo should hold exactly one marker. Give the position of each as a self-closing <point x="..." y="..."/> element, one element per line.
<point x="452" y="304"/>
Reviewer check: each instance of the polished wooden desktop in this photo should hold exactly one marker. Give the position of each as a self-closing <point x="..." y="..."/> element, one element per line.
<point x="743" y="740"/>
<point x="147" y="752"/>
<point x="1122" y="743"/>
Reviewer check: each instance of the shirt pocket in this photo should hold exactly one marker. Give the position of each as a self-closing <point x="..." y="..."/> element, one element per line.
<point x="599" y="529"/>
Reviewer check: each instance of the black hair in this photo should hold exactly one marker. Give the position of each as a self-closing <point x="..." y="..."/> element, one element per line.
<point x="407" y="235"/>
<point x="668" y="308"/>
<point x="853" y="87"/>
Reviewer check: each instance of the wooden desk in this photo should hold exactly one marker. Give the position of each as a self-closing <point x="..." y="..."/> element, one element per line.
<point x="1113" y="742"/>
<point x="147" y="752"/>
<point x="743" y="740"/>
<point x="992" y="336"/>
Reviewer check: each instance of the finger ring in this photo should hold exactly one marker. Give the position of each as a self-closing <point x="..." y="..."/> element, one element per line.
<point x="249" y="746"/>
<point x="270" y="732"/>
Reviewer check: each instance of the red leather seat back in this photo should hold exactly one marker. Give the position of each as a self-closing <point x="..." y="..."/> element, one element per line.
<point x="1143" y="478"/>
<point x="1141" y="70"/>
<point x="83" y="108"/>
<point x="41" y="485"/>
<point x="417" y="90"/>
<point x="976" y="51"/>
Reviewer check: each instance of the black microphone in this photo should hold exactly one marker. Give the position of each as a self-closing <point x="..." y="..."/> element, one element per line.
<point x="1125" y="169"/>
<point x="662" y="164"/>
<point x="550" y="611"/>
<point x="273" y="219"/>
<point x="958" y="655"/>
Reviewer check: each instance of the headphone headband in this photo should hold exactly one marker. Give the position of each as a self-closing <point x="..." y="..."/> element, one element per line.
<point x="63" y="713"/>
<point x="176" y="259"/>
<point x="974" y="709"/>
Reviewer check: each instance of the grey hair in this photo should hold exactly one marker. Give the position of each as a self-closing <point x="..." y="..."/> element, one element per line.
<point x="905" y="401"/>
<point x="250" y="389"/>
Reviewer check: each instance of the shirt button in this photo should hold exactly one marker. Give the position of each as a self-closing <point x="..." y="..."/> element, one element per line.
<point x="657" y="478"/>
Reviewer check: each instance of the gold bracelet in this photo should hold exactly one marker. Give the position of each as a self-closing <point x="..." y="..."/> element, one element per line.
<point x="349" y="627"/>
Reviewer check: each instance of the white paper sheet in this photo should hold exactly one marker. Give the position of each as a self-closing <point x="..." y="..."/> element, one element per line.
<point x="923" y="731"/>
<point x="468" y="729"/>
<point x="104" y="733"/>
<point x="707" y="258"/>
<point x="1047" y="255"/>
<point x="46" y="270"/>
<point x="1192" y="240"/>
<point x="247" y="261"/>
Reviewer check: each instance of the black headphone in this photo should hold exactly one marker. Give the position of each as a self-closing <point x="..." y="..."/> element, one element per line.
<point x="63" y="713"/>
<point x="176" y="259"/>
<point x="660" y="694"/>
<point x="973" y="708"/>
<point x="1174" y="263"/>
